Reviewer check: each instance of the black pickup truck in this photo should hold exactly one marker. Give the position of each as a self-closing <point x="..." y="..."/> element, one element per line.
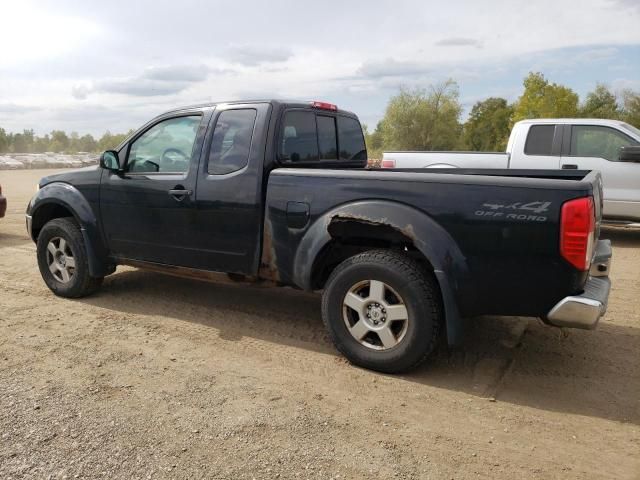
<point x="279" y="191"/>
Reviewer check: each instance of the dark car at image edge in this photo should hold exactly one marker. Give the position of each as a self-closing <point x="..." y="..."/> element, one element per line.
<point x="3" y="203"/>
<point x="278" y="191"/>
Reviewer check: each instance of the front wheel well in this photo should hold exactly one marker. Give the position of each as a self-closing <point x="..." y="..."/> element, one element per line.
<point x="45" y="214"/>
<point x="350" y="237"/>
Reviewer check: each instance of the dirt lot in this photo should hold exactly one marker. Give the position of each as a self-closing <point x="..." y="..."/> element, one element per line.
<point x="159" y="377"/>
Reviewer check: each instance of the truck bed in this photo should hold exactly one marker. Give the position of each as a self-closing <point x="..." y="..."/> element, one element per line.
<point x="503" y="223"/>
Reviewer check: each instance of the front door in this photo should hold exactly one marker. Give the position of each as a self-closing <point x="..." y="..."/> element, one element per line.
<point x="596" y="147"/>
<point x="148" y="212"/>
<point x="229" y="198"/>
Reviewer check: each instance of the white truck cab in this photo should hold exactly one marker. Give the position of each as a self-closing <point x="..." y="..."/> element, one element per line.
<point x="609" y="146"/>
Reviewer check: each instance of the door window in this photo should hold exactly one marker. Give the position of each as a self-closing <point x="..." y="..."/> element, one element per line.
<point x="164" y="148"/>
<point x="597" y="141"/>
<point x="231" y="142"/>
<point x="540" y="140"/>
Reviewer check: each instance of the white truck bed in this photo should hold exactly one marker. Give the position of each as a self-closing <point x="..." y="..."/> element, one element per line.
<point x="449" y="159"/>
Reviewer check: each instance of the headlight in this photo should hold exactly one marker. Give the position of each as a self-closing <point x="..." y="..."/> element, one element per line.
<point x="37" y="187"/>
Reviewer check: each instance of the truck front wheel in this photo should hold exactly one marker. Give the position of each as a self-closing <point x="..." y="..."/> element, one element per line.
<point x="62" y="259"/>
<point x="382" y="311"/>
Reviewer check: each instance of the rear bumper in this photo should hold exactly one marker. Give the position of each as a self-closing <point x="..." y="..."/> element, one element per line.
<point x="585" y="310"/>
<point x="3" y="206"/>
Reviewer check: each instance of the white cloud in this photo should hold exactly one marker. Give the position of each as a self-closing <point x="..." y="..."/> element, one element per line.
<point x="30" y="33"/>
<point x="620" y="84"/>
<point x="459" y="42"/>
<point x="390" y="67"/>
<point x="14" y="109"/>
<point x="81" y="91"/>
<point x="255" y="54"/>
<point x="157" y="53"/>
<point x="153" y="81"/>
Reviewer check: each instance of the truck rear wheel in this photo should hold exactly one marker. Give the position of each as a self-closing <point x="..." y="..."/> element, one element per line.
<point x="382" y="311"/>
<point x="62" y="259"/>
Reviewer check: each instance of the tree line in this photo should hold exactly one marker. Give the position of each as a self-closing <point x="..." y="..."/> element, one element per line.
<point x="430" y="119"/>
<point x="415" y="119"/>
<point x="58" y="142"/>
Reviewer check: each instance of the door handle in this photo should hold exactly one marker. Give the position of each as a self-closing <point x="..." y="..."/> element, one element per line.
<point x="569" y="166"/>
<point x="179" y="194"/>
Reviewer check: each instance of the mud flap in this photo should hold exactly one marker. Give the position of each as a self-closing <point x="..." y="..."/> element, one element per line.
<point x="453" y="322"/>
<point x="97" y="267"/>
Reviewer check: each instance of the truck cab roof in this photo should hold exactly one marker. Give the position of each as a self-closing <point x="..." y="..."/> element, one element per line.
<point x="287" y="103"/>
<point x="573" y="121"/>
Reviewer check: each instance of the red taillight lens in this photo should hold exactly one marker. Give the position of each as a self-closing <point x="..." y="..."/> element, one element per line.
<point x="324" y="106"/>
<point x="577" y="227"/>
<point x="388" y="163"/>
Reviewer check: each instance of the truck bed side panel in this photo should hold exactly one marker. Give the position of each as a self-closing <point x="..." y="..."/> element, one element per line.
<point x="449" y="159"/>
<point x="506" y="228"/>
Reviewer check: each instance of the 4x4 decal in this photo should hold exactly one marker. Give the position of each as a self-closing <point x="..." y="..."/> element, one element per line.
<point x="516" y="211"/>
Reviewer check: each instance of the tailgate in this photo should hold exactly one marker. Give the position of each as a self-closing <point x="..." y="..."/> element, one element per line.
<point x="595" y="178"/>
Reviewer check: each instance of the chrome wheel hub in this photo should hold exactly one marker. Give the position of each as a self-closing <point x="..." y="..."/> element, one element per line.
<point x="375" y="315"/>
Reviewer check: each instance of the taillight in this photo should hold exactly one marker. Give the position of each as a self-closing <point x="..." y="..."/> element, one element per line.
<point x="577" y="232"/>
<point x="388" y="163"/>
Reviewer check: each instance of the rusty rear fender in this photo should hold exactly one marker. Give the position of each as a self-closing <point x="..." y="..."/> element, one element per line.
<point x="426" y="235"/>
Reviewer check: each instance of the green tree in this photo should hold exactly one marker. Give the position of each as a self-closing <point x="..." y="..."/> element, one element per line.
<point x="4" y="141"/>
<point x="542" y="99"/>
<point x="601" y="103"/>
<point x="74" y="143"/>
<point x="423" y="120"/>
<point x="487" y="128"/>
<point x="59" y="141"/>
<point x="109" y="141"/>
<point x="87" y="143"/>
<point x="29" y="139"/>
<point x="631" y="107"/>
<point x="41" y="144"/>
<point x="373" y="141"/>
<point x="19" y="143"/>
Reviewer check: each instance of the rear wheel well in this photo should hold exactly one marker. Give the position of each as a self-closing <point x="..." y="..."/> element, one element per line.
<point x="45" y="214"/>
<point x="350" y="237"/>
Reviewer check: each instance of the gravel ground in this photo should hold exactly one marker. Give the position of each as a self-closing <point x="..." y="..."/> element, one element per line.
<point x="160" y="377"/>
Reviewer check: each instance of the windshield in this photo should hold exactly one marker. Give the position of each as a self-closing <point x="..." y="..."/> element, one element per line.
<point x="631" y="129"/>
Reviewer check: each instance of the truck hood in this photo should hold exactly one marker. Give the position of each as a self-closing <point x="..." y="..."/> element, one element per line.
<point x="72" y="176"/>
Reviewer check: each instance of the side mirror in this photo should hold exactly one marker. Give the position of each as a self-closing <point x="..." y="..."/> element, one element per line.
<point x="110" y="161"/>
<point x="630" y="154"/>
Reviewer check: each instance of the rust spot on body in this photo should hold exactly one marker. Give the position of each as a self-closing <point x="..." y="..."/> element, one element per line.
<point x="406" y="231"/>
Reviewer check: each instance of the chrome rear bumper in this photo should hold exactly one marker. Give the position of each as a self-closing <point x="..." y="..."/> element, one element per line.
<point x="585" y="310"/>
<point x="601" y="259"/>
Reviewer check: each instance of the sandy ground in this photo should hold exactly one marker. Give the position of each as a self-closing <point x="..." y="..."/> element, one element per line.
<point x="159" y="377"/>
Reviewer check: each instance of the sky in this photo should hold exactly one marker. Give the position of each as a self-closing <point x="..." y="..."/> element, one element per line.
<point x="89" y="66"/>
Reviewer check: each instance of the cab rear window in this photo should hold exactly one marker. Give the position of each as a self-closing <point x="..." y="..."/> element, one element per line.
<point x="352" y="145"/>
<point x="300" y="138"/>
<point x="310" y="137"/>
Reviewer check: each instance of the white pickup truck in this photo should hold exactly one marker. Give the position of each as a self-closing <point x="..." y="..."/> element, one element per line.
<point x="610" y="146"/>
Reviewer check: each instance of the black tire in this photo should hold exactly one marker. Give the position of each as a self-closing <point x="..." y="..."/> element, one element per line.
<point x="80" y="283"/>
<point x="418" y="292"/>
